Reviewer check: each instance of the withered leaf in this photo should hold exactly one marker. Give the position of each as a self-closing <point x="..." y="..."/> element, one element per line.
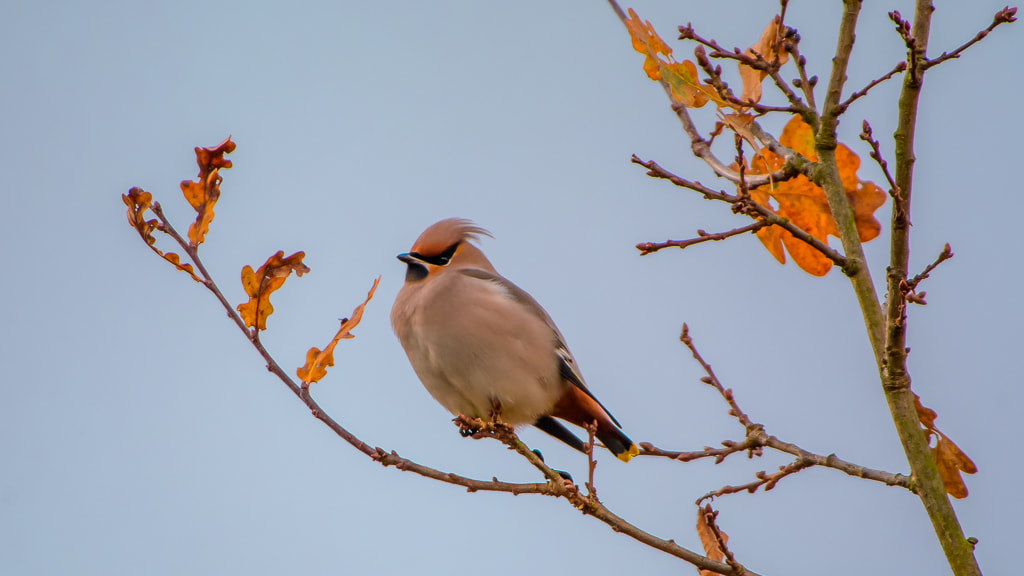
<point x="260" y="284"/>
<point x="949" y="458"/>
<point x="804" y="203"/>
<point x="951" y="461"/>
<point x="707" y="537"/>
<point x="681" y="77"/>
<point x="205" y="191"/>
<point x="318" y="360"/>
<point x="138" y="202"/>
<point x="769" y="46"/>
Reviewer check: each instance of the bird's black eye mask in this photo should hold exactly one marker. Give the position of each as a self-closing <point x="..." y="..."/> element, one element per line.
<point x="441" y="259"/>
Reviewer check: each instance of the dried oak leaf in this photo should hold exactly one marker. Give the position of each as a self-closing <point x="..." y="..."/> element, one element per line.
<point x="318" y="360"/>
<point x="261" y="283"/>
<point x="712" y="549"/>
<point x="949" y="458"/>
<point x="205" y="191"/>
<point x="769" y="46"/>
<point x="951" y="461"/>
<point x="681" y="77"/>
<point x="804" y="203"/>
<point x="138" y="201"/>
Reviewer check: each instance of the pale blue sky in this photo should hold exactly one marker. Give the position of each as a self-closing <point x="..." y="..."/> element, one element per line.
<point x="141" y="434"/>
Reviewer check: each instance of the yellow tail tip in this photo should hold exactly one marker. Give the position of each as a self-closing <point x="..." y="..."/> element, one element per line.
<point x="629" y="453"/>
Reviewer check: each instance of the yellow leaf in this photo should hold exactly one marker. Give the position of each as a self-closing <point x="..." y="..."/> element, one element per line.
<point x="138" y="201"/>
<point x="261" y="283"/>
<point x="205" y="191"/>
<point x="317" y="361"/>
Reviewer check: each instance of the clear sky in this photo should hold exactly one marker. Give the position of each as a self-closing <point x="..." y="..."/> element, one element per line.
<point x="141" y="434"/>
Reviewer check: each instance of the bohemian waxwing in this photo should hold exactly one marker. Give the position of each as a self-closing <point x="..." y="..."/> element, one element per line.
<point x="478" y="341"/>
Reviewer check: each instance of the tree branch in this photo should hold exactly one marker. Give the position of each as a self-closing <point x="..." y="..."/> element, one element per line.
<point x="751" y="208"/>
<point x="702" y="148"/>
<point x="895" y="376"/>
<point x="876" y="155"/>
<point x="555" y="485"/>
<point x="864" y="91"/>
<point x="1005" y="16"/>
<point x="646" y="248"/>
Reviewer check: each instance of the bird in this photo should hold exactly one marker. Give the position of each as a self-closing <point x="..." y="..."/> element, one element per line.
<point x="479" y="343"/>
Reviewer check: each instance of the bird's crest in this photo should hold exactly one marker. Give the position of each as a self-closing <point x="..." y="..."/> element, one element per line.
<point x="446" y="233"/>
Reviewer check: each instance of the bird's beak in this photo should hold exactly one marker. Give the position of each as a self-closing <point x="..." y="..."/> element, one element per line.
<point x="407" y="258"/>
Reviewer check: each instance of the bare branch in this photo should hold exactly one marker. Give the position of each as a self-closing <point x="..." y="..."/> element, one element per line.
<point x="1005" y="16"/>
<point x="946" y="254"/>
<point x="757" y="62"/>
<point x="752" y="209"/>
<point x="841" y="109"/>
<point x="763" y="479"/>
<point x="646" y="248"/>
<point x="702" y="148"/>
<point x="757" y="438"/>
<point x="876" y="154"/>
<point x="803" y="82"/>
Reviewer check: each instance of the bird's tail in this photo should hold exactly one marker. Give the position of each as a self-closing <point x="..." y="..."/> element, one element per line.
<point x="617" y="442"/>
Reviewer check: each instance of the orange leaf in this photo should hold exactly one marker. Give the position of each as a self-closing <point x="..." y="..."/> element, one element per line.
<point x="317" y="361"/>
<point x="769" y="46"/>
<point x="707" y="537"/>
<point x="949" y="458"/>
<point x="261" y="283"/>
<point x="951" y="462"/>
<point x="681" y="77"/>
<point x="138" y="201"/>
<point x="804" y="203"/>
<point x="205" y="191"/>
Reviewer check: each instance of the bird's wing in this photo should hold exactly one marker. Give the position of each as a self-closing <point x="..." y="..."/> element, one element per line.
<point x="567" y="366"/>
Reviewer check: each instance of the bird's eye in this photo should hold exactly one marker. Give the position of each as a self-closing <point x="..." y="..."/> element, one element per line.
<point x="441" y="259"/>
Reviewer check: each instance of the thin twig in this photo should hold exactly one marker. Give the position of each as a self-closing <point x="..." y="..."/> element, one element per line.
<point x="712" y="380"/>
<point x="702" y="148"/>
<point x="1004" y="16"/>
<point x="757" y="438"/>
<point x="646" y="248"/>
<point x="591" y="463"/>
<point x="757" y="62"/>
<point x="753" y="209"/>
<point x="763" y="479"/>
<point x="946" y="254"/>
<point x="864" y="91"/>
<point x="803" y="83"/>
<point x="752" y="446"/>
<point x="722" y="87"/>
<point x="876" y="155"/>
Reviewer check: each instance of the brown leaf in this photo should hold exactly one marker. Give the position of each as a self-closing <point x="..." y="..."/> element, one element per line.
<point x="317" y="361"/>
<point x="927" y="416"/>
<point x="264" y="281"/>
<point x="949" y="458"/>
<point x="205" y="191"/>
<point x="951" y="462"/>
<point x="138" y="201"/>
<point x="769" y="46"/>
<point x="804" y="203"/>
<point x="705" y="517"/>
